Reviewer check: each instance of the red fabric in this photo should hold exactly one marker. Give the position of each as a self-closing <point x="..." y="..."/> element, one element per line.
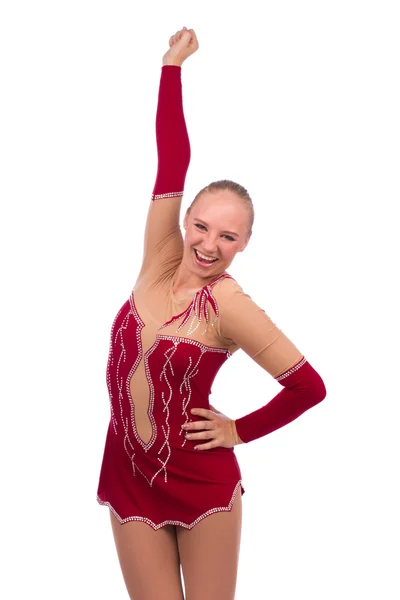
<point x="160" y="481"/>
<point x="163" y="480"/>
<point x="304" y="388"/>
<point x="173" y="146"/>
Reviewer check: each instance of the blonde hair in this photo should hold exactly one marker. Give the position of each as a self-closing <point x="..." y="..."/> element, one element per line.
<point x="232" y="186"/>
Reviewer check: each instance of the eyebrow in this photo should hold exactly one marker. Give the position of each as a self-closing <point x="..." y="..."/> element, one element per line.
<point x="230" y="232"/>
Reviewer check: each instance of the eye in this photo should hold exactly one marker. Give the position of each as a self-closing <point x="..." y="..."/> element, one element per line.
<point x="225" y="235"/>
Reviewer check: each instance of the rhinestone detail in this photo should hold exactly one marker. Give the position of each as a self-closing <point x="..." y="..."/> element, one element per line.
<point x="199" y="308"/>
<point x="191" y="372"/>
<point x="170" y="522"/>
<point x="167" y="195"/>
<point x="292" y="370"/>
<point x="110" y="363"/>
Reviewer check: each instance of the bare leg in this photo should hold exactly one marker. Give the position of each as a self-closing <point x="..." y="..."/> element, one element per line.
<point x="149" y="560"/>
<point x="210" y="554"/>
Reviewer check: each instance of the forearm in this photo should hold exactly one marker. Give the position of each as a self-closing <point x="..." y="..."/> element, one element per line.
<point x="173" y="146"/>
<point x="304" y="389"/>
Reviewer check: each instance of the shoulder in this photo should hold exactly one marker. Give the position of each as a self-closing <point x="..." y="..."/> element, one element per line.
<point x="233" y="304"/>
<point x="227" y="289"/>
<point x="238" y="314"/>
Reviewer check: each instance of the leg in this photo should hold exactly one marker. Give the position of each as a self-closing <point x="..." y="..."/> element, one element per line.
<point x="149" y="560"/>
<point x="210" y="554"/>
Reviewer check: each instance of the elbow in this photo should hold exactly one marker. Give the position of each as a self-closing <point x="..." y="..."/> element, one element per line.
<point x="317" y="391"/>
<point x="316" y="386"/>
<point x="308" y="384"/>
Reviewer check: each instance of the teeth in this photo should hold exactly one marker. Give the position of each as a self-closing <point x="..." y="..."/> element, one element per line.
<point x="205" y="257"/>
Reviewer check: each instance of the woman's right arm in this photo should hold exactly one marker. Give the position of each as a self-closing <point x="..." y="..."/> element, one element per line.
<point x="173" y="149"/>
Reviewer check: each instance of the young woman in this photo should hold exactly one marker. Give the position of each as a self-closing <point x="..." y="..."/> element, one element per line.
<point x="169" y="473"/>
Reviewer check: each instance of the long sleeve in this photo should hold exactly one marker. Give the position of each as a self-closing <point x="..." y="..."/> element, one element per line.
<point x="173" y="146"/>
<point x="162" y="237"/>
<point x="304" y="388"/>
<point x="245" y="325"/>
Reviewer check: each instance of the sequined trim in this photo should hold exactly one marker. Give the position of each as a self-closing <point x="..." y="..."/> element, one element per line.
<point x="130" y="451"/>
<point x="128" y="446"/>
<point x="141" y="324"/>
<point x="203" y="347"/>
<point x="191" y="371"/>
<point x="292" y="370"/>
<point x="199" y="308"/>
<point x="166" y="427"/>
<point x="168" y="522"/>
<point x="168" y="195"/>
<point x="121" y="357"/>
<point x="110" y="363"/>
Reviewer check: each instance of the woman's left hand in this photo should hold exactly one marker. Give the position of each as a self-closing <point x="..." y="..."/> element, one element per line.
<point x="219" y="429"/>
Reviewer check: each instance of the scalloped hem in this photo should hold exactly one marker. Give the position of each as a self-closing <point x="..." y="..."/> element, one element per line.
<point x="170" y="522"/>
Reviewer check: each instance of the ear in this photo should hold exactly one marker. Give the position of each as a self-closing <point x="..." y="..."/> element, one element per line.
<point x="185" y="220"/>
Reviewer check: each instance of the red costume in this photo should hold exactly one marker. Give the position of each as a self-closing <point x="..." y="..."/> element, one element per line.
<point x="165" y="353"/>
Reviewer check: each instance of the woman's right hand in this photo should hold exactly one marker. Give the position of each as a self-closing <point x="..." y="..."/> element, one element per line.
<point x="181" y="46"/>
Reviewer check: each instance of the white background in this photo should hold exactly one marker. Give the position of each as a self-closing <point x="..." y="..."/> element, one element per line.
<point x="297" y="101"/>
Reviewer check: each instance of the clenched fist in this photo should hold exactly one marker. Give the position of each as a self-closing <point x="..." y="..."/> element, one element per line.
<point x="181" y="46"/>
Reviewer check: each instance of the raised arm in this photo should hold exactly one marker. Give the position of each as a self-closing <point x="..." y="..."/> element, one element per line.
<point x="173" y="149"/>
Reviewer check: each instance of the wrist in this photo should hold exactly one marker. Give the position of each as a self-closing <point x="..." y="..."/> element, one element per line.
<point x="171" y="62"/>
<point x="235" y="434"/>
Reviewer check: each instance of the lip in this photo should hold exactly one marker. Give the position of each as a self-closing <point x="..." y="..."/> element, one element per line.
<point x="205" y="266"/>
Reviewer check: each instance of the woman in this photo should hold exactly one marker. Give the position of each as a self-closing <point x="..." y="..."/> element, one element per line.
<point x="169" y="473"/>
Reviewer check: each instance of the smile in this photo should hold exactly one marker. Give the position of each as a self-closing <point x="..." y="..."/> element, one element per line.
<point x="204" y="260"/>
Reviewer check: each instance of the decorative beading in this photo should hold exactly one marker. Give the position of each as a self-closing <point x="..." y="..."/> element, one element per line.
<point x="185" y="340"/>
<point x="186" y="382"/>
<point x="199" y="307"/>
<point x="292" y="370"/>
<point x="141" y="325"/>
<point x="167" y="195"/>
<point x="191" y="371"/>
<point x="171" y="522"/>
<point x="132" y="313"/>
<point x="110" y="363"/>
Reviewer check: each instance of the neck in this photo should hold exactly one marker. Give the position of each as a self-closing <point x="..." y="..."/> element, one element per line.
<point x="185" y="280"/>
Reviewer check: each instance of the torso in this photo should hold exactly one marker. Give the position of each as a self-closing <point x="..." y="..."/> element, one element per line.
<point x="155" y="305"/>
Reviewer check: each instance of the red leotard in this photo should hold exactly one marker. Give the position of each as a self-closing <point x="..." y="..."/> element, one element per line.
<point x="164" y="355"/>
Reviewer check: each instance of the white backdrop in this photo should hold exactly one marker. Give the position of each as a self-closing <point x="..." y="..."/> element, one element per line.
<point x="298" y="102"/>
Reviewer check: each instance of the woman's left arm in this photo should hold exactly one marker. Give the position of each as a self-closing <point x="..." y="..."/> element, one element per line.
<point x="243" y="323"/>
<point x="248" y="326"/>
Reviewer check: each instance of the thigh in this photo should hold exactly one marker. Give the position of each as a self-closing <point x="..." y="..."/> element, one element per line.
<point x="210" y="554"/>
<point x="149" y="560"/>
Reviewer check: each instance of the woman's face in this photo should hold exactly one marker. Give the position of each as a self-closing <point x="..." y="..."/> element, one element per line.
<point x="217" y="227"/>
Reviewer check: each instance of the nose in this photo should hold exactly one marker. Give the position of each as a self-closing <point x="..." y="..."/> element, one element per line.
<point x="210" y="245"/>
